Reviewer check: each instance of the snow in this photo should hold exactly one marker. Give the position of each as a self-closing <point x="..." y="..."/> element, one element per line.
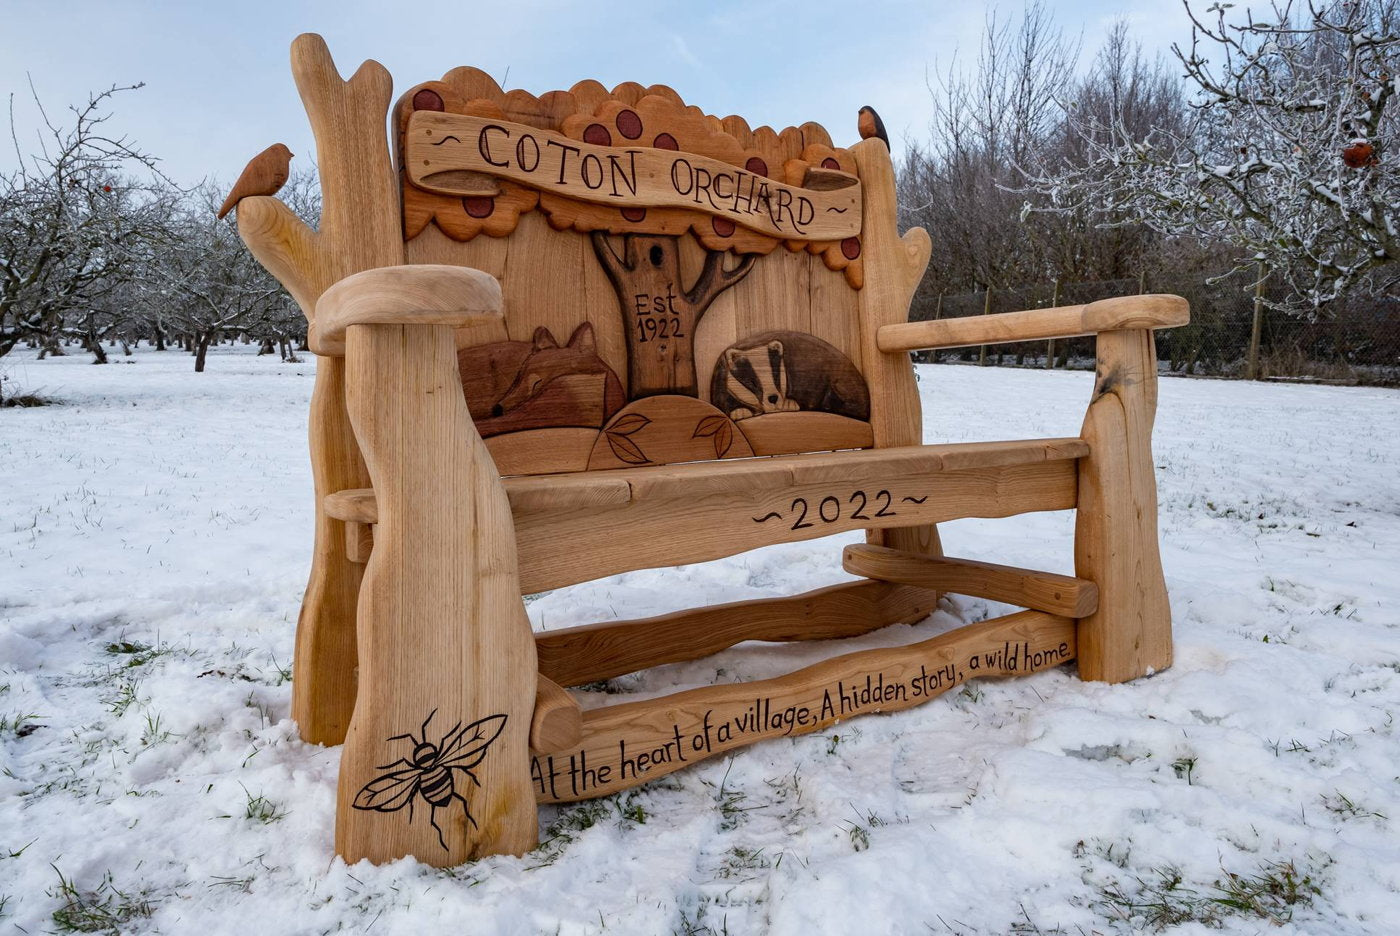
<point x="154" y="536"/>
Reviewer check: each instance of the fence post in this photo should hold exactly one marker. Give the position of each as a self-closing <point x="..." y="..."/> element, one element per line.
<point x="1251" y="371"/>
<point x="1050" y="345"/>
<point x="937" y="314"/>
<point x="986" y="310"/>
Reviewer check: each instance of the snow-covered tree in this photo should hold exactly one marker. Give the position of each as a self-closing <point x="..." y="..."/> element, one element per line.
<point x="1288" y="156"/>
<point x="71" y="216"/>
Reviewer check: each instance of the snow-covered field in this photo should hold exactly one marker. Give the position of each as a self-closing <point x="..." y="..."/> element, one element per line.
<point x="154" y="535"/>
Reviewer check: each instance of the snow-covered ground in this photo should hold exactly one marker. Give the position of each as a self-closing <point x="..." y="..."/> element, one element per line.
<point x="154" y="534"/>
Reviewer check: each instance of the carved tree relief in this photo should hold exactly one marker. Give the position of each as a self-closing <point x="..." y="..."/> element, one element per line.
<point x="659" y="314"/>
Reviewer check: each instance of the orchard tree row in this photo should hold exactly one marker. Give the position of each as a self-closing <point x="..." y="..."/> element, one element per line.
<point x="1266" y="143"/>
<point x="98" y="245"/>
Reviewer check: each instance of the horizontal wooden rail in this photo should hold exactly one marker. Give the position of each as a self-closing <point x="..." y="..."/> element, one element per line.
<point x="579" y="655"/>
<point x="634" y="742"/>
<point x="417" y="294"/>
<point x="619" y="487"/>
<point x="1150" y="311"/>
<point x="577" y="527"/>
<point x="1040" y="591"/>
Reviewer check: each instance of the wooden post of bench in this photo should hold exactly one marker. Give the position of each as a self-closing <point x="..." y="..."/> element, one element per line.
<point x="360" y="229"/>
<point x="436" y="762"/>
<point x="894" y="266"/>
<point x="1115" y="534"/>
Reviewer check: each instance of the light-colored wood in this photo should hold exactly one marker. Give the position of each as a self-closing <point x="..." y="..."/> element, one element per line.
<point x="660" y="430"/>
<point x="542" y="451"/>
<point x="446" y="654"/>
<point x="572" y="528"/>
<point x="1039" y="591"/>
<point x="893" y="266"/>
<point x="1115" y="532"/>
<point x="785" y="433"/>
<point x="436" y="660"/>
<point x="577" y="655"/>
<point x="607" y="489"/>
<point x="325" y="660"/>
<point x="671" y="520"/>
<point x="360" y="229"/>
<point x="355" y="505"/>
<point x="632" y="743"/>
<point x="557" y="722"/>
<point x="439" y="146"/>
<point x="1124" y="312"/>
<point x="287" y="248"/>
<point x="418" y="294"/>
<point x="265" y="174"/>
<point x="359" y="542"/>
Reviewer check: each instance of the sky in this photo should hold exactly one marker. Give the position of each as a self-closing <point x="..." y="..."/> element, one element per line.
<point x="218" y="87"/>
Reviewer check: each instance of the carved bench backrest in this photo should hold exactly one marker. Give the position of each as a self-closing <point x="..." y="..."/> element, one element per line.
<point x="678" y="287"/>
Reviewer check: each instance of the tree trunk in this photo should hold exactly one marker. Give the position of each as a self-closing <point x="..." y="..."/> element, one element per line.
<point x="94" y="344"/>
<point x="201" y="349"/>
<point x="160" y="338"/>
<point x="265" y="347"/>
<point x="659" y="314"/>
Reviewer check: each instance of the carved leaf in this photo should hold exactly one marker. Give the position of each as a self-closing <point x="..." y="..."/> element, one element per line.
<point x="624" y="448"/>
<point x="709" y="426"/>
<point x="632" y="422"/>
<point x="720" y="429"/>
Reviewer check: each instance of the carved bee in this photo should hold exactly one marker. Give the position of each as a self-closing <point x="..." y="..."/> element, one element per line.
<point x="428" y="771"/>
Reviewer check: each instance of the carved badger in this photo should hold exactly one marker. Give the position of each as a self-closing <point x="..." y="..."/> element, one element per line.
<point x="786" y="371"/>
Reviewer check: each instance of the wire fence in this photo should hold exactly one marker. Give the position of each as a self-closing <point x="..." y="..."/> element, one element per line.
<point x="1356" y="342"/>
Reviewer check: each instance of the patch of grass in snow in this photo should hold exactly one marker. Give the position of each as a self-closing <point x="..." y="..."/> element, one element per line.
<point x="859" y="835"/>
<point x="154" y="733"/>
<point x="1272" y="893"/>
<point x="739" y="860"/>
<point x="20" y="724"/>
<point x="138" y="654"/>
<point x="261" y="809"/>
<point x="104" y="909"/>
<point x="574" y="820"/>
<point x="27" y="400"/>
<point x="1185" y="768"/>
<point x="123" y="695"/>
<point x="1347" y="808"/>
<point x="697" y="925"/>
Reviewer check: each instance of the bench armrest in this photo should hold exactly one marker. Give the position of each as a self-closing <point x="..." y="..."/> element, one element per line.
<point x="1151" y="311"/>
<point x="415" y="294"/>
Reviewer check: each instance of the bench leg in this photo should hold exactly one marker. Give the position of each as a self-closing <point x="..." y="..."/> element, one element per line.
<point x="323" y="668"/>
<point x="436" y="763"/>
<point x="1115" y="534"/>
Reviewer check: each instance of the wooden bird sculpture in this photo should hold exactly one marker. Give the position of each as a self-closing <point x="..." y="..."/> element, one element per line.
<point x="265" y="174"/>
<point x="870" y="125"/>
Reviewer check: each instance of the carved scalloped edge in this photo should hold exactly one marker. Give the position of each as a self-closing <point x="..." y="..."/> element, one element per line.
<point x="589" y="109"/>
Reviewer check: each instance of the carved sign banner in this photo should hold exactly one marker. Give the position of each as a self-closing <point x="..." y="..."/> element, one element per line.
<point x="630" y="743"/>
<point x="450" y="154"/>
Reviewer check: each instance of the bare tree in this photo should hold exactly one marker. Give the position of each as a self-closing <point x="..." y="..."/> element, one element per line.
<point x="204" y="281"/>
<point x="70" y="218"/>
<point x="1283" y="156"/>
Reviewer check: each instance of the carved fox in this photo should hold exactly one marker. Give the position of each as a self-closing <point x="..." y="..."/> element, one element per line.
<point x="516" y="385"/>
<point x="548" y="362"/>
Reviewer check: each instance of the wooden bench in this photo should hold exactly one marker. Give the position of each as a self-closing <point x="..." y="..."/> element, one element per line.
<point x="567" y="336"/>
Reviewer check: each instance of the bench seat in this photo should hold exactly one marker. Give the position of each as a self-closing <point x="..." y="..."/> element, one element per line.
<point x="575" y="527"/>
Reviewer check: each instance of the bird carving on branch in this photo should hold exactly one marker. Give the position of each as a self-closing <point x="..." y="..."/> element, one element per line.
<point x="265" y="174"/>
